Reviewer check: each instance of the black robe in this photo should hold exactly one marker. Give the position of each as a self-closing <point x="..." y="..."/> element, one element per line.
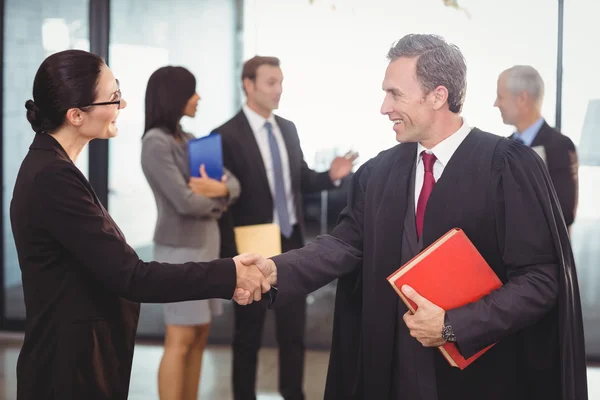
<point x="500" y="194"/>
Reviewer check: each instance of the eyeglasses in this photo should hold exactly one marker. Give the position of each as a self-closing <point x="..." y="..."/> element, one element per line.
<point x="106" y="103"/>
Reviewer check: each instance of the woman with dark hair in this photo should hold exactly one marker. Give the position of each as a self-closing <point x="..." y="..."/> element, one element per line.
<point x="187" y="225"/>
<point x="81" y="281"/>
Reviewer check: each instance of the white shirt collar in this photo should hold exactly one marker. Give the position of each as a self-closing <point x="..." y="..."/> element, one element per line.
<point x="257" y="122"/>
<point x="444" y="150"/>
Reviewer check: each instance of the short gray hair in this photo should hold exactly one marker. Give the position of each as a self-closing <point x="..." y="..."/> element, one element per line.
<point x="438" y="64"/>
<point x="525" y="78"/>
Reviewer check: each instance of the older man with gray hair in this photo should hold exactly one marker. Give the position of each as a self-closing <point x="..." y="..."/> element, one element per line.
<point x="519" y="98"/>
<point x="444" y="174"/>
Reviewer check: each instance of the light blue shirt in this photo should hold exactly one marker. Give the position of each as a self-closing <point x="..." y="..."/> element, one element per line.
<point x="529" y="134"/>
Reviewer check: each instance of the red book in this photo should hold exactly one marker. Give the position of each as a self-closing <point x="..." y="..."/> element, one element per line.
<point x="450" y="273"/>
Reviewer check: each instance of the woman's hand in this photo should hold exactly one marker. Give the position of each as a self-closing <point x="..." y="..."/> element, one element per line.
<point x="206" y="186"/>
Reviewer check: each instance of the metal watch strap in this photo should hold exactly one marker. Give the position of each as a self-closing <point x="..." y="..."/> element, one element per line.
<point x="447" y="331"/>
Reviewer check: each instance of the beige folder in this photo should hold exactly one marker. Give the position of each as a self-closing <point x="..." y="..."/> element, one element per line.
<point x="263" y="239"/>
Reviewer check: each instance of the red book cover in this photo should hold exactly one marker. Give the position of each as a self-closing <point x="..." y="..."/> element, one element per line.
<point x="450" y="273"/>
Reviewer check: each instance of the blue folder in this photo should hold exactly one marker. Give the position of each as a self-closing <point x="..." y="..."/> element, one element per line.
<point x="206" y="150"/>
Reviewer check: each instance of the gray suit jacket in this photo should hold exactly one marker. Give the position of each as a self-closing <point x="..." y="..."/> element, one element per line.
<point x="185" y="219"/>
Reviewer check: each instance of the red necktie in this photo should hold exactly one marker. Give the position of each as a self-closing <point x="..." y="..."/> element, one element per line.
<point x="428" y="182"/>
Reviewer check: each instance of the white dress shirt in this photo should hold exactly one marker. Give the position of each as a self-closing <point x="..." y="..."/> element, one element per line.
<point x="257" y="123"/>
<point x="443" y="151"/>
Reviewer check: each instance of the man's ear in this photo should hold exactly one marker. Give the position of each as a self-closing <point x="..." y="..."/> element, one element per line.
<point x="75" y="116"/>
<point x="247" y="83"/>
<point x="523" y="98"/>
<point x="440" y="97"/>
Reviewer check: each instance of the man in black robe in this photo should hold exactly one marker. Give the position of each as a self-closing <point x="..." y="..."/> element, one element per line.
<point x="444" y="174"/>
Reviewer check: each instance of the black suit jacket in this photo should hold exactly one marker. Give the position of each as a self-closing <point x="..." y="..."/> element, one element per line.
<point x="82" y="282"/>
<point x="241" y="155"/>
<point x="561" y="160"/>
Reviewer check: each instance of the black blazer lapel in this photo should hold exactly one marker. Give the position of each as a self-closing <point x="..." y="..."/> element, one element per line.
<point x="250" y="146"/>
<point x="410" y="219"/>
<point x="450" y="200"/>
<point x="540" y="137"/>
<point x="440" y="205"/>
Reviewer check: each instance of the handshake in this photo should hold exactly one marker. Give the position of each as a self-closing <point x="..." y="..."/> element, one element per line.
<point x="255" y="275"/>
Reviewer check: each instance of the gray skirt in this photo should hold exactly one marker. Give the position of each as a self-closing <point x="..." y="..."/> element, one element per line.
<point x="197" y="312"/>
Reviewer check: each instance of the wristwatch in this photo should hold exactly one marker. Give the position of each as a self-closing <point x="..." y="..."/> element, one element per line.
<point x="447" y="331"/>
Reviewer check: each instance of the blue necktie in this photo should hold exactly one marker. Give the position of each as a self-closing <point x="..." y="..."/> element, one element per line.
<point x="280" y="199"/>
<point x="519" y="140"/>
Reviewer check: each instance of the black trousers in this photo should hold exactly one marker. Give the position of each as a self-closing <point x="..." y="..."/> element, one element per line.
<point x="290" y="322"/>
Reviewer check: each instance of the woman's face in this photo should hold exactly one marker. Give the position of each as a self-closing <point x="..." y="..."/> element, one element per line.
<point x="101" y="120"/>
<point x="192" y="106"/>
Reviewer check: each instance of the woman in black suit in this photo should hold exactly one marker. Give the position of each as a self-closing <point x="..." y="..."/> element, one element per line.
<point x="82" y="283"/>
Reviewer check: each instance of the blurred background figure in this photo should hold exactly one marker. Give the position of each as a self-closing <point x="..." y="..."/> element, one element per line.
<point x="519" y="98"/>
<point x="186" y="227"/>
<point x="263" y="151"/>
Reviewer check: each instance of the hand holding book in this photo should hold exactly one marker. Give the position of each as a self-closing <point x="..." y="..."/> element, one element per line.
<point x="427" y="322"/>
<point x="206" y="186"/>
<point x="448" y="274"/>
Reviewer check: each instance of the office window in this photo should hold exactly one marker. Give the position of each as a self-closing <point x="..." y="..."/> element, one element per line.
<point x="333" y="56"/>
<point x="581" y="122"/>
<point x="32" y="31"/>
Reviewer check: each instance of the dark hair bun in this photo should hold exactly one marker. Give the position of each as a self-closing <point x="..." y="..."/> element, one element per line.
<point x="64" y="80"/>
<point x="33" y="116"/>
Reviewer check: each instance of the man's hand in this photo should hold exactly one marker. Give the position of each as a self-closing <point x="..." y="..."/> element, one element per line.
<point x="267" y="268"/>
<point x="250" y="282"/>
<point x="342" y="166"/>
<point x="427" y="322"/>
<point x="206" y="186"/>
